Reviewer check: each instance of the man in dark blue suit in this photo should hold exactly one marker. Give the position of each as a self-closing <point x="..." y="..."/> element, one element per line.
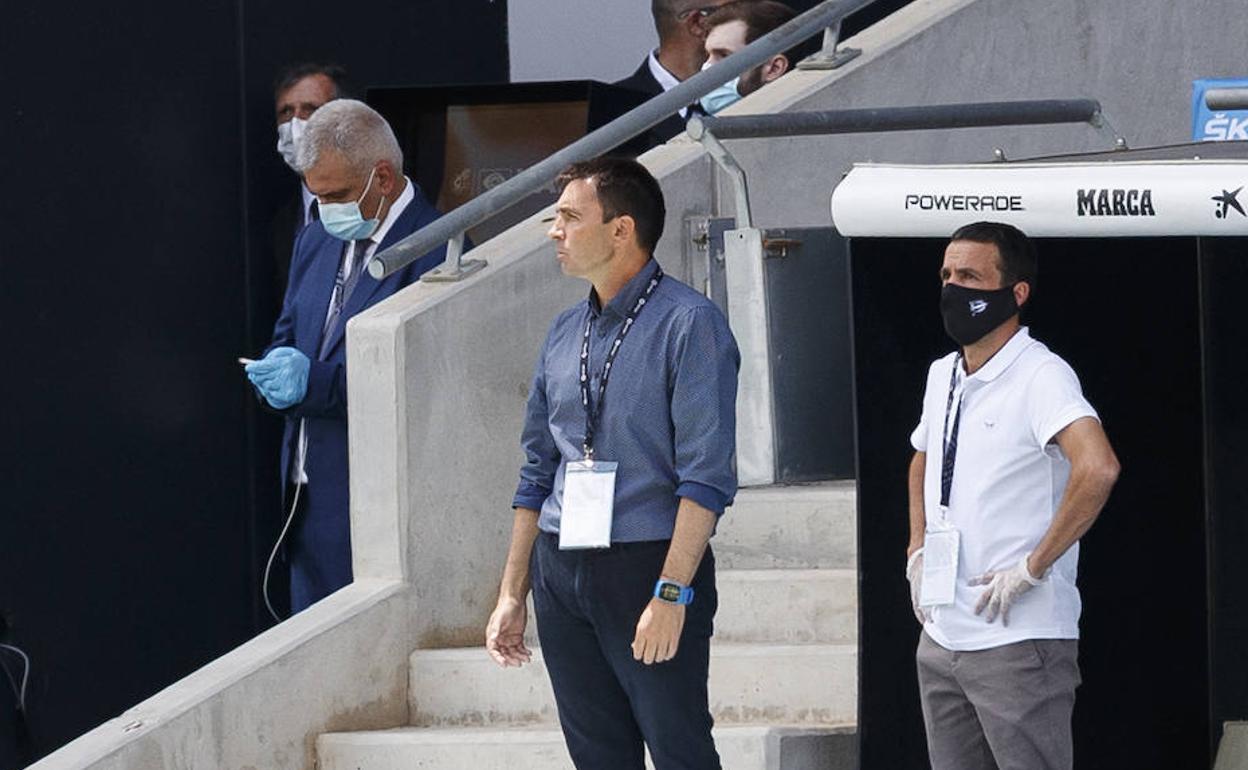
<point x="681" y="27"/>
<point x="351" y="161"/>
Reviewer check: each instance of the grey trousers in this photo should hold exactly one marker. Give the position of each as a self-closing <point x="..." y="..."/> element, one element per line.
<point x="1005" y="708"/>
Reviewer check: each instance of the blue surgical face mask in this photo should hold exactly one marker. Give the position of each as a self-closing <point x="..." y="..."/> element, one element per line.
<point x="721" y="97"/>
<point x="344" y="220"/>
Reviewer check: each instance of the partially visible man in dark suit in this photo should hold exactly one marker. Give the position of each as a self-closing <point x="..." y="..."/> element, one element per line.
<point x="352" y="163"/>
<point x="682" y="29"/>
<point x="297" y="93"/>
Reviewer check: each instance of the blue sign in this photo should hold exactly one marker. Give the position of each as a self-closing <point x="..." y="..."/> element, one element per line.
<point x="1224" y="126"/>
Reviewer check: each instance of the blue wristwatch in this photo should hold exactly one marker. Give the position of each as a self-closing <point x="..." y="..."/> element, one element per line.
<point x="673" y="592"/>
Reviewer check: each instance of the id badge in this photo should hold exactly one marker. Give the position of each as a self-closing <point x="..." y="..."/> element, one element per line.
<point x="588" y="496"/>
<point x="940" y="568"/>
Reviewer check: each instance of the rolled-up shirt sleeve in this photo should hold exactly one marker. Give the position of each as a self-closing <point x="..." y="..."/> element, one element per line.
<point x="704" y="397"/>
<point x="541" y="455"/>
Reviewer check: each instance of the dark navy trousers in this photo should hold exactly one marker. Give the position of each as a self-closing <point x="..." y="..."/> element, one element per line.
<point x="588" y="603"/>
<point x="319" y="548"/>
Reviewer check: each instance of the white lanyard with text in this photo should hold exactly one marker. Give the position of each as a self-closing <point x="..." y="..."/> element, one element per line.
<point x="941" y="545"/>
<point x="589" y="484"/>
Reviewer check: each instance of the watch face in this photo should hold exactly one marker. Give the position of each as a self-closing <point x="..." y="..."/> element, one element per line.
<point x="669" y="593"/>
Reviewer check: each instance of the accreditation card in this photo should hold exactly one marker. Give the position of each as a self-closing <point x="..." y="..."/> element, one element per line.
<point x="588" y="499"/>
<point x="940" y="567"/>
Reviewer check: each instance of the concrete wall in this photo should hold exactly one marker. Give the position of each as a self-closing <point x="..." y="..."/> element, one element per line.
<point x="599" y="41"/>
<point x="341" y="665"/>
<point x="1138" y="57"/>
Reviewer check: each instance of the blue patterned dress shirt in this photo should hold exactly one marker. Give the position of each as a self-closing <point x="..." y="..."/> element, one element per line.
<point x="668" y="417"/>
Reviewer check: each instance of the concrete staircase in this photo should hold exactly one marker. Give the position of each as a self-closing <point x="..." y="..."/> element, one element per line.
<point x="783" y="682"/>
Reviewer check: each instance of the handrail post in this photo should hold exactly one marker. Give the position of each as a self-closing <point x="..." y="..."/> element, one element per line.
<point x="455" y="268"/>
<point x="736" y="175"/>
<point x="1101" y="123"/>
<point x="829" y="56"/>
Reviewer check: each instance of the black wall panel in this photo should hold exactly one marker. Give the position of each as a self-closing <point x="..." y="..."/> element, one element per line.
<point x="1124" y="313"/>
<point x="1224" y="284"/>
<point x="137" y="479"/>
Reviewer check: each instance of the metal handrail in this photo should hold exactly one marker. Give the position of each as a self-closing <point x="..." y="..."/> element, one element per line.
<point x="450" y="227"/>
<point x="1218" y="99"/>
<point x="880" y="119"/>
<point x="710" y="130"/>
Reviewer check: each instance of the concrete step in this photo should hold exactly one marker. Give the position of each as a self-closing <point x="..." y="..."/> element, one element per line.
<point x="808" y="684"/>
<point x="778" y="605"/>
<point x="475" y="748"/>
<point x="787" y="606"/>
<point x="805" y="526"/>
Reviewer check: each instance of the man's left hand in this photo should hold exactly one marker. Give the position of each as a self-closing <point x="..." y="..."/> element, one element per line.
<point x="1004" y="588"/>
<point x="658" y="632"/>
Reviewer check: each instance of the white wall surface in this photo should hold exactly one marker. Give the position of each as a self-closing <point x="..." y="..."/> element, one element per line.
<point x="578" y="39"/>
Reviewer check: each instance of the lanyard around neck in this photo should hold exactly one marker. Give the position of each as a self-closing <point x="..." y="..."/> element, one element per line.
<point x="592" y="412"/>
<point x="949" y="439"/>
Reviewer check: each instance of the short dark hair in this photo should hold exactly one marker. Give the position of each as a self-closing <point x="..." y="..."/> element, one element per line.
<point x="293" y="73"/>
<point x="1017" y="260"/>
<point x="760" y="17"/>
<point x="624" y="186"/>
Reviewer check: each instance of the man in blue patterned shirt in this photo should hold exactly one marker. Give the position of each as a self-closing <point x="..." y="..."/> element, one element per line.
<point x="625" y="627"/>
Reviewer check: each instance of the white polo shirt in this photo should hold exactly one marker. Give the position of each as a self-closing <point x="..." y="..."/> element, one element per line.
<point x="1008" y="482"/>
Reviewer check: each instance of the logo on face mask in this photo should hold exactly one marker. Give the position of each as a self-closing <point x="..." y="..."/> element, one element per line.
<point x="969" y="314"/>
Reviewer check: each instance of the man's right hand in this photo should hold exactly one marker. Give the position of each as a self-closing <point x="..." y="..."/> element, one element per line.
<point x="914" y="574"/>
<point x="281" y="376"/>
<point x="504" y="634"/>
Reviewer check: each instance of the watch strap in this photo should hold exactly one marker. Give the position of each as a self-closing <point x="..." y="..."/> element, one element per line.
<point x="672" y="592"/>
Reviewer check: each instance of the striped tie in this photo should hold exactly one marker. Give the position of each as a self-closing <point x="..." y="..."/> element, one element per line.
<point x="343" y="287"/>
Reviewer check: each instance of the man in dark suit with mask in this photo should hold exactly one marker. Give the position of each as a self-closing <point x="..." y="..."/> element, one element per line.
<point x="298" y="92"/>
<point x="682" y="29"/>
<point x="352" y="163"/>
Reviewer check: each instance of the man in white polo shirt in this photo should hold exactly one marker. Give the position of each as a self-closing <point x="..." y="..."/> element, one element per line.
<point x="1011" y="467"/>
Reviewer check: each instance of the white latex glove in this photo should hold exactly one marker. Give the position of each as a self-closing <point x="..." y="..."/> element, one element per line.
<point x="1004" y="588"/>
<point x="914" y="573"/>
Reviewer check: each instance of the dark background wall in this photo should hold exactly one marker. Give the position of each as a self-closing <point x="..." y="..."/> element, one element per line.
<point x="1125" y="313"/>
<point x="137" y="479"/>
<point x="1223" y="285"/>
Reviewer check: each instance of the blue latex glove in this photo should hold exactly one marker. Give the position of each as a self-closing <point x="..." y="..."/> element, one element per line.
<point x="281" y="377"/>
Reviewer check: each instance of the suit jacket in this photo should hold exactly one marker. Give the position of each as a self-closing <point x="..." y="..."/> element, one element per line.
<point x="643" y="81"/>
<point x="314" y="267"/>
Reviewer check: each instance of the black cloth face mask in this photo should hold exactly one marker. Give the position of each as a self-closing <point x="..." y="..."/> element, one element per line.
<point x="969" y="314"/>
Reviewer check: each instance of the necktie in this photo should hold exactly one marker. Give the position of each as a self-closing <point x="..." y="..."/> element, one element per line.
<point x="343" y="286"/>
<point x="314" y="211"/>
